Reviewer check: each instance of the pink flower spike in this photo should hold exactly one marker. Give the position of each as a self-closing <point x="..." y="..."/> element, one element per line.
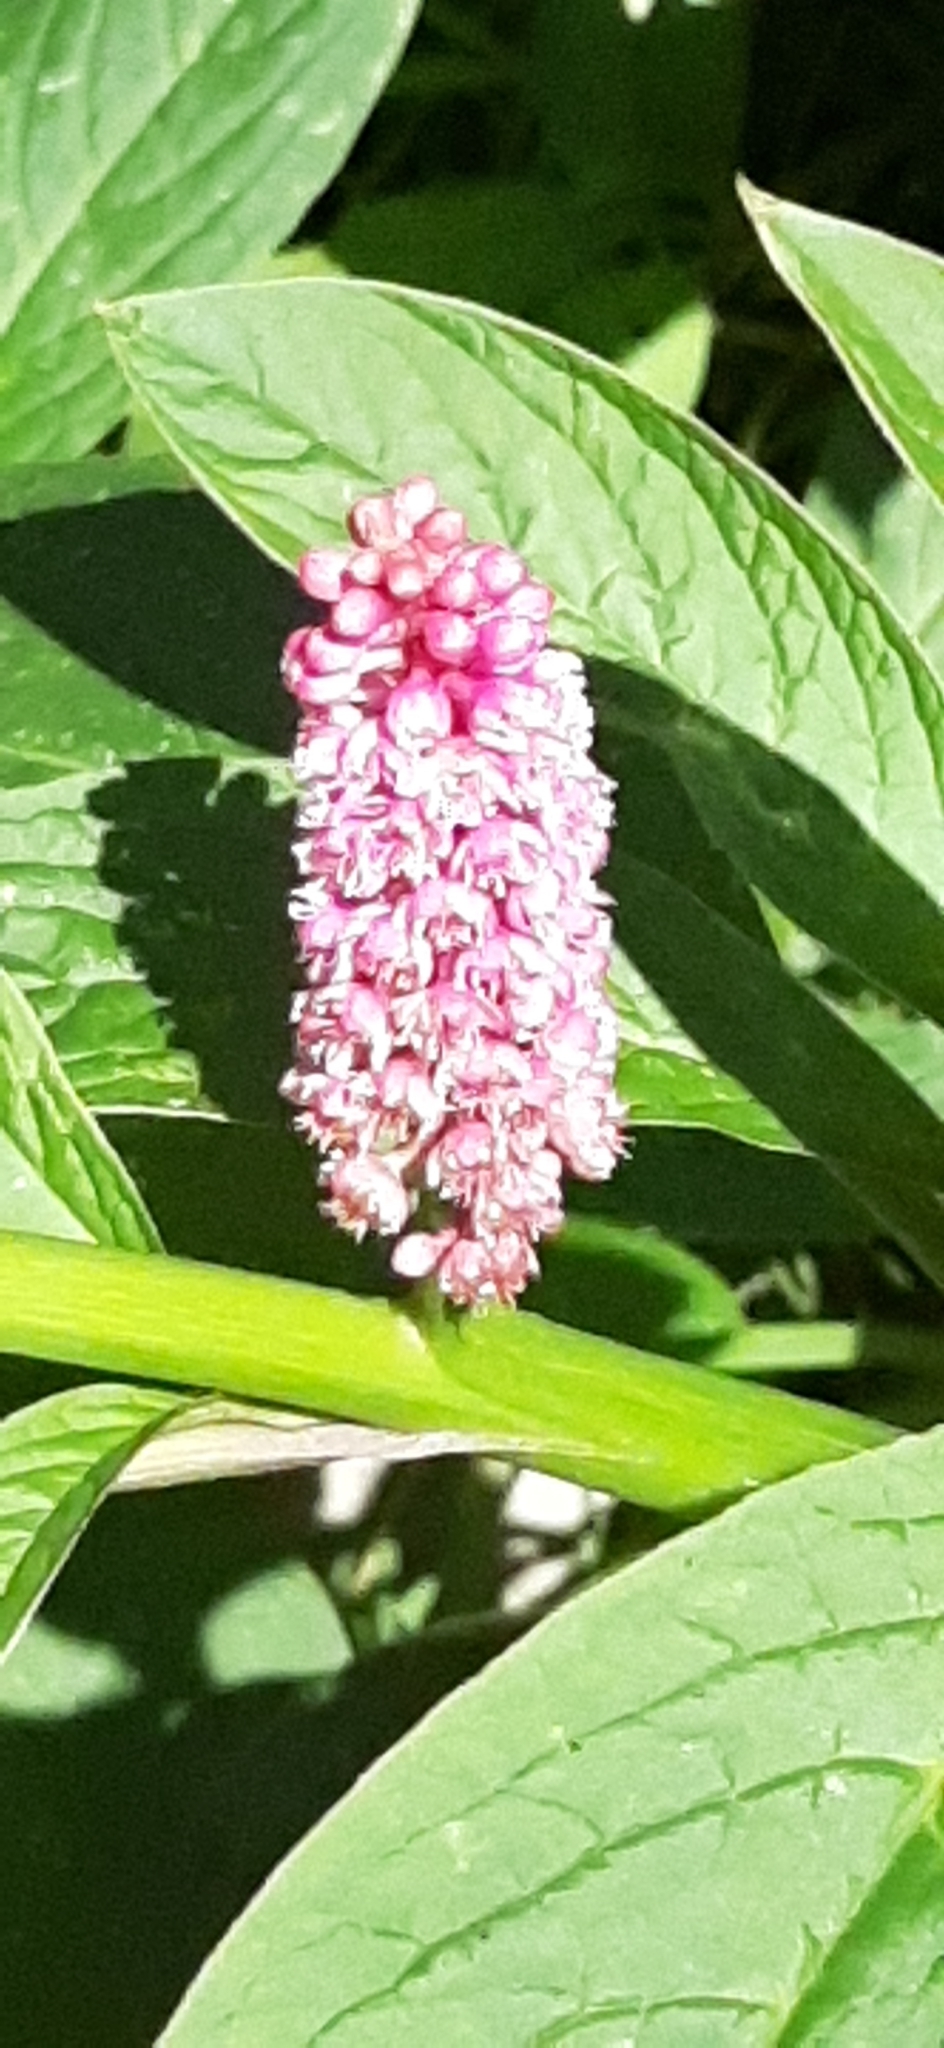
<point x="442" y="532"/>
<point x="416" y="500"/>
<point x="405" y="574"/>
<point x="374" y="522"/>
<point x="508" y="643"/>
<point x="419" y="714"/>
<point x="453" y="1045"/>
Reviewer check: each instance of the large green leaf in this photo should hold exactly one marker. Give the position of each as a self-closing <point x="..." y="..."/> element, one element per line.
<point x="58" y="1174"/>
<point x="809" y="728"/>
<point x="882" y="514"/>
<point x="701" y="1804"/>
<point x="837" y="1095"/>
<point x="880" y="303"/>
<point x="57" y="1459"/>
<point x="107" y="778"/>
<point x="147" y="147"/>
<point x="666" y="1434"/>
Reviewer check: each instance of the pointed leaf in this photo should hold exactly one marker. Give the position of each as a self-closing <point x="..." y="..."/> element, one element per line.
<point x="889" y="521"/>
<point x="664" y="1078"/>
<point x="838" y="1096"/>
<point x="57" y="1459"/>
<point x="701" y="1803"/>
<point x="810" y="729"/>
<point x="880" y="304"/>
<point x="58" y="1174"/>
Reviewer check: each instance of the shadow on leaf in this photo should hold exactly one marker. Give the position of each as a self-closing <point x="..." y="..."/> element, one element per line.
<point x="160" y="593"/>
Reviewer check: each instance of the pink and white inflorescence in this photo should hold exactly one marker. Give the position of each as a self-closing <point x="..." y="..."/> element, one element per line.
<point x="454" y="1049"/>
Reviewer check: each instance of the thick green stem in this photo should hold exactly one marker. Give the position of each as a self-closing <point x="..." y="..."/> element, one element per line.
<point x="669" y="1436"/>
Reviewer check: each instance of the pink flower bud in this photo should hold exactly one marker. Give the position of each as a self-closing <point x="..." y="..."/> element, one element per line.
<point x="360" y="612"/>
<point x="449" y="637"/>
<point x="321" y="573"/>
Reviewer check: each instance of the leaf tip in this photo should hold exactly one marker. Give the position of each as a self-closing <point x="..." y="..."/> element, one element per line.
<point x="757" y="204"/>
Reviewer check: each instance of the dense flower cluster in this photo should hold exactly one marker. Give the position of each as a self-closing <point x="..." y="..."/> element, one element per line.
<point x="453" y="1039"/>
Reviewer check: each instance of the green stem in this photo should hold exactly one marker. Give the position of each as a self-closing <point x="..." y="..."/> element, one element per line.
<point x="768" y="1349"/>
<point x="670" y="1436"/>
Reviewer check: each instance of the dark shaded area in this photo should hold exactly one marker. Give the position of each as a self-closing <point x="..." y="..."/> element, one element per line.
<point x="164" y="596"/>
<point x="133" y="1833"/>
<point x="844" y="109"/>
<point x="205" y="871"/>
<point x="711" y="806"/>
<point x="243" y="1195"/>
<point x="843" y="112"/>
<point x="712" y="1193"/>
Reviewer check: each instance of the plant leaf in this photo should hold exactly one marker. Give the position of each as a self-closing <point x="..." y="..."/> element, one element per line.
<point x="57" y="1459"/>
<point x="58" y="1173"/>
<point x="229" y="1439"/>
<point x="143" y="149"/>
<point x="72" y="741"/>
<point x="651" y="321"/>
<point x="912" y="1045"/>
<point x="637" y="1287"/>
<point x="808" y="727"/>
<point x="867" y="1125"/>
<point x="664" y="1078"/>
<point x="880" y="304"/>
<point x="699" y="1803"/>
<point x="889" y="521"/>
<point x="666" y="1434"/>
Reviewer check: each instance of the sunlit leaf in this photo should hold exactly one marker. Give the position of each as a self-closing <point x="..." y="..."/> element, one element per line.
<point x="880" y="303"/>
<point x="701" y="1803"/>
<point x="58" y="1174"/>
<point x="761" y="658"/>
<point x="144" y="147"/>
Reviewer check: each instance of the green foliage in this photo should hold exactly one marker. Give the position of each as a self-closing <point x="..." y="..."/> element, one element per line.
<point x="762" y="651"/>
<point x="692" y="562"/>
<point x="143" y="149"/>
<point x="56" y="1460"/>
<point x="881" y="305"/>
<point x="663" y="1434"/>
<point x="92" y="691"/>
<point x="701" y="1800"/>
<point x="58" y="1175"/>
